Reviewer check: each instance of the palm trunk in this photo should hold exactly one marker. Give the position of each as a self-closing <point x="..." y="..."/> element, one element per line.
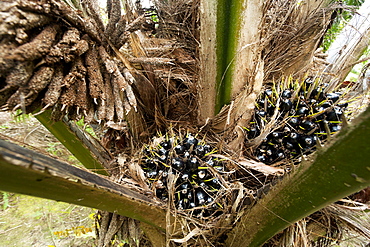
<point x="229" y="59"/>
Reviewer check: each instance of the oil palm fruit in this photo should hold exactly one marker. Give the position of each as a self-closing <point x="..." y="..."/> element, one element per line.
<point x="306" y="115"/>
<point x="196" y="171"/>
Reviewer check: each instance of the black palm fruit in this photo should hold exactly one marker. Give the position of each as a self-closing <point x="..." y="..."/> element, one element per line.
<point x="306" y="114"/>
<point x="188" y="160"/>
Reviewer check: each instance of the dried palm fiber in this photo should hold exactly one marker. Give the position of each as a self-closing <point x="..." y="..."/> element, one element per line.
<point x="179" y="79"/>
<point x="172" y="82"/>
<point x="331" y="225"/>
<point x="63" y="46"/>
<point x="179" y="20"/>
<point x="291" y="36"/>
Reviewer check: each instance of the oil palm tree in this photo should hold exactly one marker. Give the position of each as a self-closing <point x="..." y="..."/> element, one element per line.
<point x="182" y="67"/>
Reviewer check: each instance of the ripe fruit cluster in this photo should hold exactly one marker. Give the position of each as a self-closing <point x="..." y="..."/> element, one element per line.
<point x="196" y="172"/>
<point x="306" y="114"/>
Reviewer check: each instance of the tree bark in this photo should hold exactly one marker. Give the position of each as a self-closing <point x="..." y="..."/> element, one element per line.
<point x="349" y="45"/>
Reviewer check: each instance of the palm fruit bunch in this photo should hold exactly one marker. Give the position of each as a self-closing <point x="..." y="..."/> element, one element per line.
<point x="196" y="173"/>
<point x="302" y="115"/>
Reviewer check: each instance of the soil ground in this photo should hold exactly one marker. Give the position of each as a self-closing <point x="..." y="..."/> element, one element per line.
<point x="30" y="221"/>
